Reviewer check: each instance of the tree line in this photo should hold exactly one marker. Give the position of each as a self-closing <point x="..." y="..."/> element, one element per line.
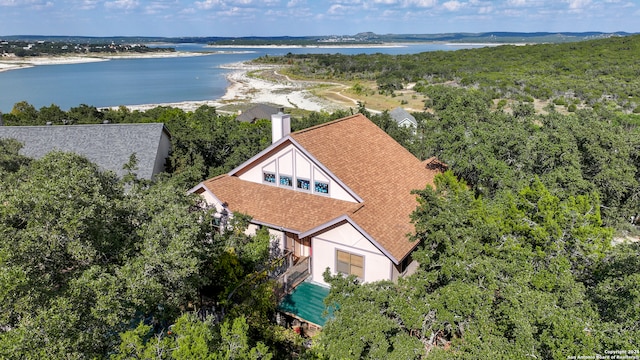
<point x="22" y="48"/>
<point x="593" y="73"/>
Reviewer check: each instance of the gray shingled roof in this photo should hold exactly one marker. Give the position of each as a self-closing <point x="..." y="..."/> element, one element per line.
<point x="107" y="145"/>
<point x="258" y="112"/>
<point x="399" y="115"/>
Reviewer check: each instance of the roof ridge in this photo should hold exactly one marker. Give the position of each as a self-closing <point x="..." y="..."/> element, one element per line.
<point x="59" y="126"/>
<point x="327" y="124"/>
<point x="215" y="178"/>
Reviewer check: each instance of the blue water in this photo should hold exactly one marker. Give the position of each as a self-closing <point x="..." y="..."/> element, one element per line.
<point x="149" y="81"/>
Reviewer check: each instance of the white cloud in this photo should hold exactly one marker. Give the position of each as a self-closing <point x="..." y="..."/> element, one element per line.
<point x="295" y="3"/>
<point x="208" y="4"/>
<point x="578" y="4"/>
<point x="420" y="3"/>
<point x="88" y="4"/>
<point x="122" y="4"/>
<point x="453" y="5"/>
<point x="337" y="9"/>
<point x="347" y="2"/>
<point x="22" y="3"/>
<point x="238" y="2"/>
<point x="155" y="8"/>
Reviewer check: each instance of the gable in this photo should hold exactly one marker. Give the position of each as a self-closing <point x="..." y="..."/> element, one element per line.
<point x="406" y="122"/>
<point x="344" y="233"/>
<point x="289" y="167"/>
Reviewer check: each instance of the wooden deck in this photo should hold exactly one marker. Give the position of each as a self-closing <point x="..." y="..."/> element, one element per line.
<point x="294" y="275"/>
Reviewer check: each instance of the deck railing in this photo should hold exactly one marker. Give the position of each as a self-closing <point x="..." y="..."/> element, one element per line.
<point x="293" y="276"/>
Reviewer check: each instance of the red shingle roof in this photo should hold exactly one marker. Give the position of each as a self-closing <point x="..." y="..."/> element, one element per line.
<point x="363" y="157"/>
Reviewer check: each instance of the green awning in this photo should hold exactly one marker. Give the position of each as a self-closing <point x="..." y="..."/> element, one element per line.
<point x="306" y="302"/>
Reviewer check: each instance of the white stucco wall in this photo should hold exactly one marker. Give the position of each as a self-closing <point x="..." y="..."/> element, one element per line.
<point x="346" y="238"/>
<point x="276" y="236"/>
<point x="292" y="162"/>
<point x="210" y="200"/>
<point x="279" y="237"/>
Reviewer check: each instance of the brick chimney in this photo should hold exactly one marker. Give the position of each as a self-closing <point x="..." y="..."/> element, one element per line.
<point x="280" y="125"/>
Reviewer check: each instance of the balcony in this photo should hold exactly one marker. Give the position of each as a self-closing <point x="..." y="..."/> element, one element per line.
<point x="297" y="271"/>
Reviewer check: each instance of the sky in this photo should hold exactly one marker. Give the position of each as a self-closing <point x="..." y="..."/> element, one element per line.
<point x="176" y="18"/>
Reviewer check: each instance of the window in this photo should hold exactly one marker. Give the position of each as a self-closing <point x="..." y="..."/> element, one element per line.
<point x="303" y="184"/>
<point x="269" y="177"/>
<point x="321" y="187"/>
<point x="286" y="180"/>
<point x="350" y="264"/>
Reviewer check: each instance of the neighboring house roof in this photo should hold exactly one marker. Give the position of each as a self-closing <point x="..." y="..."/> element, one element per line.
<point x="369" y="162"/>
<point x="108" y="145"/>
<point x="258" y="112"/>
<point x="402" y="117"/>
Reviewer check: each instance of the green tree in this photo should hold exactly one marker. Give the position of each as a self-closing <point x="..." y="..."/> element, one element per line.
<point x="84" y="114"/>
<point x="190" y="338"/>
<point x="10" y="159"/>
<point x="501" y="278"/>
<point x="23" y="113"/>
<point x="52" y="114"/>
<point x="81" y="259"/>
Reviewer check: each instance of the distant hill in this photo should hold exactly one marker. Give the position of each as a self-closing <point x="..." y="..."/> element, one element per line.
<point x="360" y="38"/>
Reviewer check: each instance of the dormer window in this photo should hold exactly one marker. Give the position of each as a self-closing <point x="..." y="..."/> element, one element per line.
<point x="321" y="187"/>
<point x="303" y="184"/>
<point x="286" y="180"/>
<point x="269" y="177"/>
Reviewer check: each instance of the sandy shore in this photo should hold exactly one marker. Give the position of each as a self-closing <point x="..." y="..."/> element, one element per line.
<point x="285" y="92"/>
<point x="244" y="89"/>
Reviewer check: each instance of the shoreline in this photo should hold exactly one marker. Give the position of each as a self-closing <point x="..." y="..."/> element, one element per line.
<point x="318" y="46"/>
<point x="14" y="63"/>
<point x="245" y="89"/>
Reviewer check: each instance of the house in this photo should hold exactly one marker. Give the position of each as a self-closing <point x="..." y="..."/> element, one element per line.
<point x="336" y="196"/>
<point x="108" y="145"/>
<point x="403" y="118"/>
<point x="257" y="112"/>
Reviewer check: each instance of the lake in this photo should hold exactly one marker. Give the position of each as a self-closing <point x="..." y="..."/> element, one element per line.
<point x="152" y="81"/>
